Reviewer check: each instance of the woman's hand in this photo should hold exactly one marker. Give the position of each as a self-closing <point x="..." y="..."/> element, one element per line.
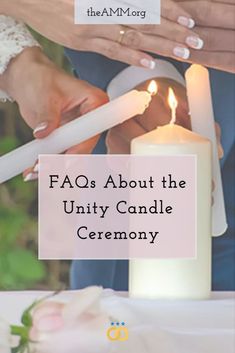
<point x="47" y="96"/>
<point x="55" y="20"/>
<point x="215" y="24"/>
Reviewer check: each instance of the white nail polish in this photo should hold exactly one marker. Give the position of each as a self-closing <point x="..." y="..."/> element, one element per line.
<point x="191" y="23"/>
<point x="186" y="22"/>
<point x="40" y="127"/>
<point x="149" y="64"/>
<point x="195" y="42"/>
<point x="181" y="52"/>
<point x="36" y="168"/>
<point x="31" y="177"/>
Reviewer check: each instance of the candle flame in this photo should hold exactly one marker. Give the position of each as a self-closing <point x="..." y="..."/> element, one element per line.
<point x="173" y="103"/>
<point x="153" y="88"/>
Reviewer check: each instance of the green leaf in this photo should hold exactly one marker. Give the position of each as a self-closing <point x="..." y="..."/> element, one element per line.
<point x="7" y="144"/>
<point x="26" y="318"/>
<point x="25" y="265"/>
<point x="11" y="225"/>
<point x="19" y="331"/>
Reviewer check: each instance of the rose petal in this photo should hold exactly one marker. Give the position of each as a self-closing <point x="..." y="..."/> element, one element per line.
<point x="46" y="309"/>
<point x="50" y="323"/>
<point x="85" y="301"/>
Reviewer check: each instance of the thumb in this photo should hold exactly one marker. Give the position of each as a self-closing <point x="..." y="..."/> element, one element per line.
<point x="47" y="123"/>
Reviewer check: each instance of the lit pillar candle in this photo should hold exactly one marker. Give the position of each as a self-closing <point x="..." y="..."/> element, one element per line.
<point x="203" y="123"/>
<point x="178" y="278"/>
<point x="75" y="132"/>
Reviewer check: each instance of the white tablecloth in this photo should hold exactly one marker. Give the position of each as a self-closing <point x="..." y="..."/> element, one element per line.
<point x="155" y="326"/>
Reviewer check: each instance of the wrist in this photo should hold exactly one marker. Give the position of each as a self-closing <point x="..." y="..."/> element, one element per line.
<point x="19" y="68"/>
<point x="21" y="10"/>
<point x="10" y="8"/>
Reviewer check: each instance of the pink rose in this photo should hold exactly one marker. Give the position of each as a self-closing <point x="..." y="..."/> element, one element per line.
<point x="74" y="327"/>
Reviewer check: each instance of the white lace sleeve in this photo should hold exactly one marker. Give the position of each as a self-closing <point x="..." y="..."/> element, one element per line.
<point x="14" y="38"/>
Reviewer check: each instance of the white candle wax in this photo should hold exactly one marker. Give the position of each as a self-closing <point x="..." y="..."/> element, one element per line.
<point x="77" y="131"/>
<point x="178" y="278"/>
<point x="203" y="123"/>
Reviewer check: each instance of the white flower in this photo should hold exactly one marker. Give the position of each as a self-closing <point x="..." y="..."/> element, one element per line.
<point x="5" y="337"/>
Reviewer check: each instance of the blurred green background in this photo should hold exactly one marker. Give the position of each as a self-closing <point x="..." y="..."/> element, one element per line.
<point x="19" y="267"/>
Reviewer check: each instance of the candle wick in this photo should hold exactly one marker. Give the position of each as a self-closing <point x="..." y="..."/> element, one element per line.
<point x="173" y="116"/>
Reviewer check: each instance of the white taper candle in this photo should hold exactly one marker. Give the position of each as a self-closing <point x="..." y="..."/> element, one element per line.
<point x="77" y="131"/>
<point x="203" y="123"/>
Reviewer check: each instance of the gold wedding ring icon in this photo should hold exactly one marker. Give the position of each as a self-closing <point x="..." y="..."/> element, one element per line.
<point x="118" y="332"/>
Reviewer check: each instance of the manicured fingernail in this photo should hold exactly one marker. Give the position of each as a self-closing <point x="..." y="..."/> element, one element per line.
<point x="181" y="52"/>
<point x="195" y="42"/>
<point x="36" y="168"/>
<point x="31" y="177"/>
<point x="186" y="22"/>
<point x="40" y="127"/>
<point x="150" y="64"/>
<point x="220" y="150"/>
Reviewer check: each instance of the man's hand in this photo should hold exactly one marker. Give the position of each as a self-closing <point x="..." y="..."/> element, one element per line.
<point x="119" y="138"/>
<point x="47" y="96"/>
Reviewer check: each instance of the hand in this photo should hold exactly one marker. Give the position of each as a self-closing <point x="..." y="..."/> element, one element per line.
<point x="169" y="39"/>
<point x="119" y="138"/>
<point x="48" y="97"/>
<point x="215" y="24"/>
<point x="158" y="114"/>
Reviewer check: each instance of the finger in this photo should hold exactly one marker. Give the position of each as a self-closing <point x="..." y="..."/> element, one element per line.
<point x="116" y="144"/>
<point x="158" y="114"/>
<point x="220" y="60"/>
<point x="158" y="45"/>
<point x="119" y="138"/>
<point x="129" y="130"/>
<point x="111" y="31"/>
<point x="116" y="51"/>
<point x="79" y="97"/>
<point x="218" y="131"/>
<point x="172" y="31"/>
<point x="176" y="13"/>
<point x="216" y="39"/>
<point x="84" y="148"/>
<point x="47" y="121"/>
<point x="218" y="138"/>
<point x="94" y="98"/>
<point x="211" y="14"/>
<point x="220" y="150"/>
<point x="30" y="175"/>
<point x="225" y="1"/>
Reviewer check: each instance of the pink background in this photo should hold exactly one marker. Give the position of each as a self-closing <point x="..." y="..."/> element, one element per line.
<point x="58" y="231"/>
